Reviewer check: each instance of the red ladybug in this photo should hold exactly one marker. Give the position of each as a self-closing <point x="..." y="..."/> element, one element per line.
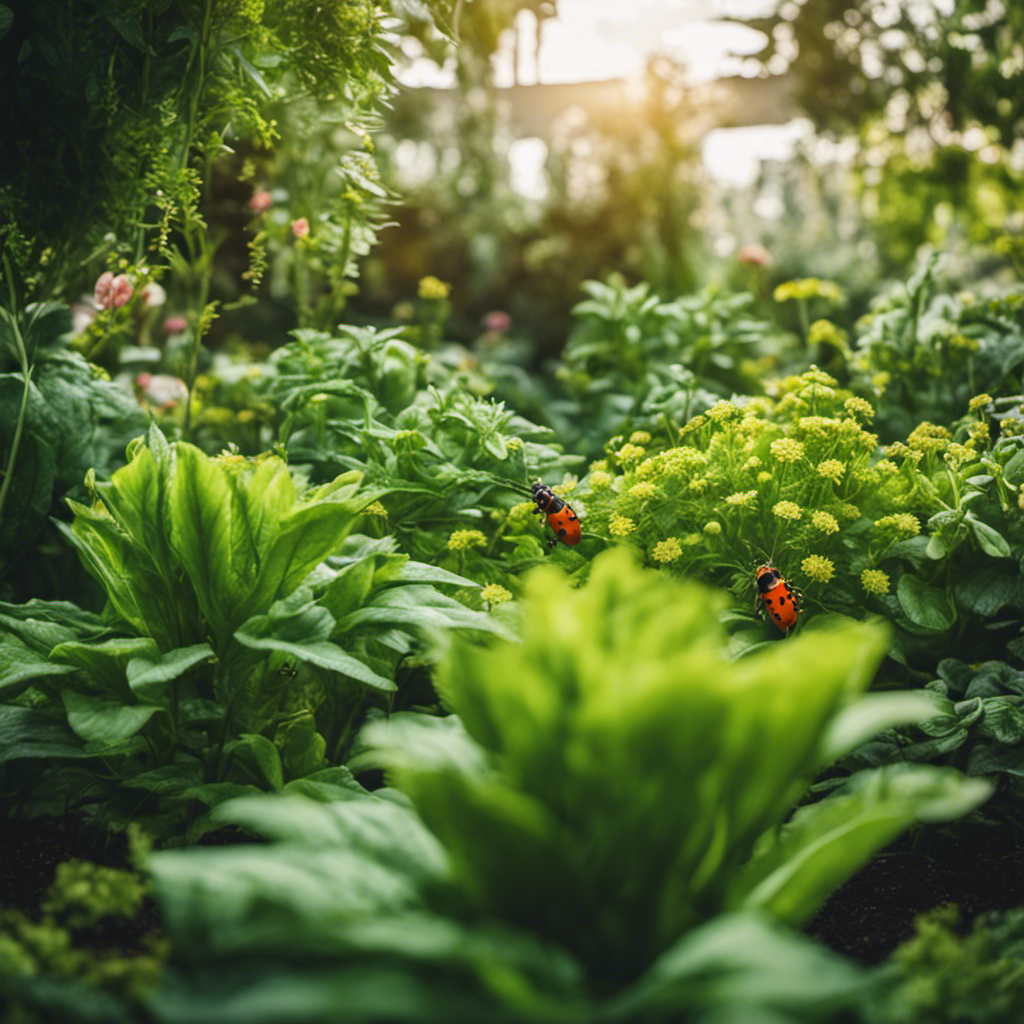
<point x="780" y="600"/>
<point x="561" y="517"/>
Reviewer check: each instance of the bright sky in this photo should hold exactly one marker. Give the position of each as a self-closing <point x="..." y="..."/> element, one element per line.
<point x="592" y="40"/>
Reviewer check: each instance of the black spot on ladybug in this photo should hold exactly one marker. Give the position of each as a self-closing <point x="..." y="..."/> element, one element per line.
<point x="777" y="615"/>
<point x="561" y="532"/>
<point x="782" y="599"/>
<point x="768" y="600"/>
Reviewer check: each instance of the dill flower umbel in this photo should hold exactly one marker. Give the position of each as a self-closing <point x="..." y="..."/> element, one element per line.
<point x="875" y="581"/>
<point x="764" y="476"/>
<point x="859" y="408"/>
<point x="787" y="510"/>
<point x="713" y="529"/>
<point x="495" y="593"/>
<point x="463" y="540"/>
<point x="620" y="526"/>
<point x="599" y="479"/>
<point x="629" y="453"/>
<point x="741" y="498"/>
<point x="825" y="522"/>
<point x="375" y="509"/>
<point x="667" y="550"/>
<point x="433" y="288"/>
<point x="818" y="568"/>
<point x="639" y="437"/>
<point x="831" y="469"/>
<point x="644" y="489"/>
<point x="752" y="463"/>
<point x="901" y="524"/>
<point x="785" y="449"/>
<point x="721" y="411"/>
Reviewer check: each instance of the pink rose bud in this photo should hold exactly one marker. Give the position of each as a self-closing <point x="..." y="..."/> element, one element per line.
<point x="175" y="325"/>
<point x="261" y="202"/>
<point x="497" y="321"/>
<point x="300" y="227"/>
<point x="754" y="254"/>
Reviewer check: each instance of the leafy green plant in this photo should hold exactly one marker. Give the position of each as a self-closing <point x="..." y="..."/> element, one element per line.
<point x="59" y="417"/>
<point x="945" y="976"/>
<point x="231" y="654"/>
<point x="598" y="835"/>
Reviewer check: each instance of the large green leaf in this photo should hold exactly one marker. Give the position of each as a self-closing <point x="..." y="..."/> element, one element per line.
<point x="148" y="673"/>
<point x="21" y="664"/>
<point x="923" y="604"/>
<point x="104" y="720"/>
<point x="25" y="732"/>
<point x="825" y="843"/>
<point x="105" y="664"/>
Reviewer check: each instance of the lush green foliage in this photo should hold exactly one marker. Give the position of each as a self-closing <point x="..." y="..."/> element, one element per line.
<point x="543" y="806"/>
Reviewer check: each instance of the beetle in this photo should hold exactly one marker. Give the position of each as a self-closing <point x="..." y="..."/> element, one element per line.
<point x="561" y="517"/>
<point x="776" y="596"/>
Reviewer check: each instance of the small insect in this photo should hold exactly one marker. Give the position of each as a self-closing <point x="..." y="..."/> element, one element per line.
<point x="777" y="597"/>
<point x="561" y="517"/>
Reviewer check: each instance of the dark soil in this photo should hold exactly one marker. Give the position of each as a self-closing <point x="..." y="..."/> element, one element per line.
<point x="977" y="868"/>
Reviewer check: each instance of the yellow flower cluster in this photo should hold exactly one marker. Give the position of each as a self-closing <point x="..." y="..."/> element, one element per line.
<point x="514" y="444"/>
<point x="831" y="469"/>
<point x="808" y="288"/>
<point x="620" y="526"/>
<point x="752" y="463"/>
<point x="667" y="550"/>
<point x="432" y="288"/>
<point x="629" y="453"/>
<point x="644" y="489"/>
<point x="859" y="408"/>
<point x="713" y="529"/>
<point x="565" y="487"/>
<point x="818" y="568"/>
<point x="722" y="411"/>
<point x="599" y="479"/>
<point x="978" y="402"/>
<point x="963" y="342"/>
<point x="495" y="593"/>
<point x="639" y="437"/>
<point x="825" y="522"/>
<point x="902" y="524"/>
<point x="785" y="449"/>
<point x="375" y="509"/>
<point x="875" y="581"/>
<point x="463" y="540"/>
<point x="928" y="437"/>
<point x="824" y="332"/>
<point x="787" y="510"/>
<point x="741" y="498"/>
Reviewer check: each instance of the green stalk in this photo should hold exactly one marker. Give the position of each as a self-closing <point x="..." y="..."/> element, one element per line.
<point x="26" y="372"/>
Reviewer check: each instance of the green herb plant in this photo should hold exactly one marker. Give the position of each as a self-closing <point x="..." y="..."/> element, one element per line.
<point x="229" y="654"/>
<point x="599" y="833"/>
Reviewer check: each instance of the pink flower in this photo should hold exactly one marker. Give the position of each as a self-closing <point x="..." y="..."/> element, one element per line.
<point x="754" y="254"/>
<point x="175" y="325"/>
<point x="111" y="292"/>
<point x="161" y="389"/>
<point x="300" y="227"/>
<point x="260" y="202"/>
<point x="497" y="321"/>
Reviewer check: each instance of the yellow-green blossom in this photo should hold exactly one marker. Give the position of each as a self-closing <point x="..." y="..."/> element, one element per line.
<point x="375" y="509"/>
<point x="785" y="449"/>
<point x="825" y="522"/>
<point x="978" y="402"/>
<point x="764" y="476"/>
<point x="514" y="444"/>
<point x="832" y="469"/>
<point x="824" y="332"/>
<point x="929" y="437"/>
<point x="979" y="431"/>
<point x="787" y="510"/>
<point x="640" y="437"/>
<point x="463" y="540"/>
<point x="902" y="524"/>
<point x="721" y="411"/>
<point x="691" y="539"/>
<point x="713" y="529"/>
<point x="667" y="550"/>
<point x="495" y="593"/>
<point x="752" y="463"/>
<point x="741" y="498"/>
<point x="849" y="511"/>
<point x="808" y="288"/>
<point x="629" y="453"/>
<point x="818" y="568"/>
<point x="875" y="581"/>
<point x="600" y="466"/>
<point x="961" y="341"/>
<point x="565" y="487"/>
<point x="433" y="288"/>
<point x="619" y="526"/>
<point x="859" y="408"/>
<point x="886" y="468"/>
<point x="644" y="489"/>
<point x="1020" y="498"/>
<point x="958" y="455"/>
<point x="599" y="479"/>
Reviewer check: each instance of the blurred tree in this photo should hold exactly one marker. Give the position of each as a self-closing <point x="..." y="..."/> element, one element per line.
<point x="935" y="91"/>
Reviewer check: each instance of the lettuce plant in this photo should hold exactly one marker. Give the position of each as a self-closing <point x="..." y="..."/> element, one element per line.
<point x="599" y="834"/>
<point x="242" y="636"/>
